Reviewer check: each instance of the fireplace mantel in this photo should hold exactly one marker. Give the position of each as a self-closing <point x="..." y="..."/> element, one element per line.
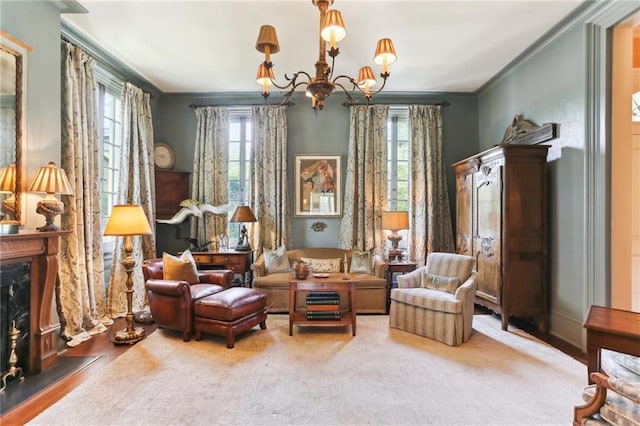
<point x="41" y="249"/>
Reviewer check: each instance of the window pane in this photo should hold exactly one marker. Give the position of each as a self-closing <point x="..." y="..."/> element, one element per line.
<point x="234" y="131"/>
<point x="234" y="151"/>
<point x="403" y="171"/>
<point x="403" y="129"/>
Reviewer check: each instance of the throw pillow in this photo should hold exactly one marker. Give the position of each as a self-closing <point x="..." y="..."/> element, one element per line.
<point x="276" y="260"/>
<point x="360" y="262"/>
<point x="439" y="282"/>
<point x="323" y="265"/>
<point x="181" y="268"/>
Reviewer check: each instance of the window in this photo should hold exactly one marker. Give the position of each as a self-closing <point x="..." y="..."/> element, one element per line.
<point x="240" y="136"/>
<point x="109" y="132"/>
<point x="398" y="166"/>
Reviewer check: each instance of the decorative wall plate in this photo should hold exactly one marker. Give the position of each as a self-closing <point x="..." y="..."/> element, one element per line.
<point x="163" y="156"/>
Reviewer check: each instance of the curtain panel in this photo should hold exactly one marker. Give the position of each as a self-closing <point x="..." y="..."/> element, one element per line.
<point x="210" y="179"/>
<point x="430" y="216"/>
<point x="80" y="297"/>
<point x="365" y="194"/>
<point x="269" y="192"/>
<point x="136" y="187"/>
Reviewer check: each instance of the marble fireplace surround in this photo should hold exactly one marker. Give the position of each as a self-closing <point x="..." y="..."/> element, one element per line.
<point x="40" y="249"/>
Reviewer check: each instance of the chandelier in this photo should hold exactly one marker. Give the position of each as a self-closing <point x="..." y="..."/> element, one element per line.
<point x="320" y="87"/>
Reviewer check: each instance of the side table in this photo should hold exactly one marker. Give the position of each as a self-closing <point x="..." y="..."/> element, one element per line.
<point x="613" y="329"/>
<point x="237" y="261"/>
<point x="396" y="267"/>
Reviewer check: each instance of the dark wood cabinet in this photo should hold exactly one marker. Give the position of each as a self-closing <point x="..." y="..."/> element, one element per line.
<point x="501" y="220"/>
<point x="172" y="187"/>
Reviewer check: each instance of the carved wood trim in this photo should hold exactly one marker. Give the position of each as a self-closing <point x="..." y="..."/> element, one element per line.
<point x="41" y="249"/>
<point x="524" y="132"/>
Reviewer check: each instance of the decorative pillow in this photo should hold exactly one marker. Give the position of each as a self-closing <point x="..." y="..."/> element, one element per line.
<point x="181" y="268"/>
<point x="360" y="262"/>
<point x="323" y="265"/>
<point x="276" y="260"/>
<point x="439" y="282"/>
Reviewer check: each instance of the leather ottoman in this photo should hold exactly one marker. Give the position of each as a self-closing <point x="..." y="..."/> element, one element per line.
<point x="230" y="312"/>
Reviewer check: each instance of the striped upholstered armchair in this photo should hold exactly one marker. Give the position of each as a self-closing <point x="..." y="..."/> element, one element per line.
<point x="436" y="301"/>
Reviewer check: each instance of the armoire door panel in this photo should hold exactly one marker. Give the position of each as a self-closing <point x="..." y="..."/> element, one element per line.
<point x="524" y="293"/>
<point x="487" y="241"/>
<point x="464" y="189"/>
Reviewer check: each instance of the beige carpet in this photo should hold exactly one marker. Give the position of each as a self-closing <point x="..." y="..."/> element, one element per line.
<point x="325" y="376"/>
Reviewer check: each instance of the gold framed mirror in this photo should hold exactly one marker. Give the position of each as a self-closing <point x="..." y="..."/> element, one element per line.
<point x="13" y="84"/>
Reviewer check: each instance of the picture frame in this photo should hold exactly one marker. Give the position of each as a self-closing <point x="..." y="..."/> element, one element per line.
<point x="318" y="190"/>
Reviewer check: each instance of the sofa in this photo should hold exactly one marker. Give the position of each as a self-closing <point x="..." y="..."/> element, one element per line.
<point x="371" y="288"/>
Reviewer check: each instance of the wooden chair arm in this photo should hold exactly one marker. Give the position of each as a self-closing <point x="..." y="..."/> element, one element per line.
<point x="601" y="382"/>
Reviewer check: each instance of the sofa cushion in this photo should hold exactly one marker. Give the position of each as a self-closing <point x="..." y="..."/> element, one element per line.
<point x="181" y="268"/>
<point x="276" y="260"/>
<point x="427" y="298"/>
<point x="360" y="262"/>
<point x="323" y="265"/>
<point x="440" y="282"/>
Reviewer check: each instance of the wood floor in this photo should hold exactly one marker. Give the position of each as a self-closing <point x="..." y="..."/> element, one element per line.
<point x="101" y="345"/>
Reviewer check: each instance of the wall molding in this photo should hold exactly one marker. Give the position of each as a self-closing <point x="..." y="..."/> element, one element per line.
<point x="107" y="62"/>
<point x="597" y="195"/>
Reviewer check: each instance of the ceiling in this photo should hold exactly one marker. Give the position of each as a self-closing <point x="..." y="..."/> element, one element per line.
<point x="209" y="46"/>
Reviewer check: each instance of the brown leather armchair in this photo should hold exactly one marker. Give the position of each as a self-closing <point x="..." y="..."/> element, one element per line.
<point x="171" y="302"/>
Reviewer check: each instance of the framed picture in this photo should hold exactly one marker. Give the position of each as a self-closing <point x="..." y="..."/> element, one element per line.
<point x="317" y="189"/>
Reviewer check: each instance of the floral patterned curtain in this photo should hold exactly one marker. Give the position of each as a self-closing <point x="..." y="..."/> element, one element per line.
<point x="80" y="297"/>
<point x="270" y="190"/>
<point x="136" y="187"/>
<point x="365" y="190"/>
<point x="210" y="182"/>
<point x="430" y="217"/>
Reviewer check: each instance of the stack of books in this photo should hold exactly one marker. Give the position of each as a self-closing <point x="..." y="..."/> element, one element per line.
<point x="323" y="305"/>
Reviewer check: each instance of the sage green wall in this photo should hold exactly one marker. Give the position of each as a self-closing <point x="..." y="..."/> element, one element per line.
<point x="37" y="23"/>
<point x="566" y="80"/>
<point x="324" y="133"/>
<point x="550" y="88"/>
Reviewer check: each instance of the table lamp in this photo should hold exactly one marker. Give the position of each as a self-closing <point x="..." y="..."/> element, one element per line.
<point x="51" y="180"/>
<point x="395" y="221"/>
<point x="127" y="221"/>
<point x="243" y="214"/>
<point x="8" y="186"/>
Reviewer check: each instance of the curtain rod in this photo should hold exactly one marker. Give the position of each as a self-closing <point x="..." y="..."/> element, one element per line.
<point x="443" y="104"/>
<point x="235" y="105"/>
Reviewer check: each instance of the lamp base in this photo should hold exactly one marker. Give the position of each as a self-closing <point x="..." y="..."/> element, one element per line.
<point x="49" y="208"/>
<point x="129" y="336"/>
<point x="244" y="247"/>
<point x="395" y="255"/>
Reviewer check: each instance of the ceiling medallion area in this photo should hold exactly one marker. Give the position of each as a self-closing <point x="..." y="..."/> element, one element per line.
<point x="320" y="87"/>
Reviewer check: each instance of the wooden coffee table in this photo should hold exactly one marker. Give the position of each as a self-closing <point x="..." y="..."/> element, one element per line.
<point x="334" y="282"/>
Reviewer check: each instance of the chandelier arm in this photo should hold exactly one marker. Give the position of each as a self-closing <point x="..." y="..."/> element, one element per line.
<point x="347" y="92"/>
<point x="284" y="101"/>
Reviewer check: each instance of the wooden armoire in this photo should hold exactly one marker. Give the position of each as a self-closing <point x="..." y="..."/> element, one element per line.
<point x="501" y="217"/>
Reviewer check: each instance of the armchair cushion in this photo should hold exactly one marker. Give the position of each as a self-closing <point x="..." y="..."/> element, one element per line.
<point x="439" y="282"/>
<point x="450" y="265"/>
<point x="434" y="300"/>
<point x="181" y="268"/>
<point x="276" y="260"/>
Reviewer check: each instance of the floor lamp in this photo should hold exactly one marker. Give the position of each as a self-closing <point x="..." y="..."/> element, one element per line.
<point x="127" y="221"/>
